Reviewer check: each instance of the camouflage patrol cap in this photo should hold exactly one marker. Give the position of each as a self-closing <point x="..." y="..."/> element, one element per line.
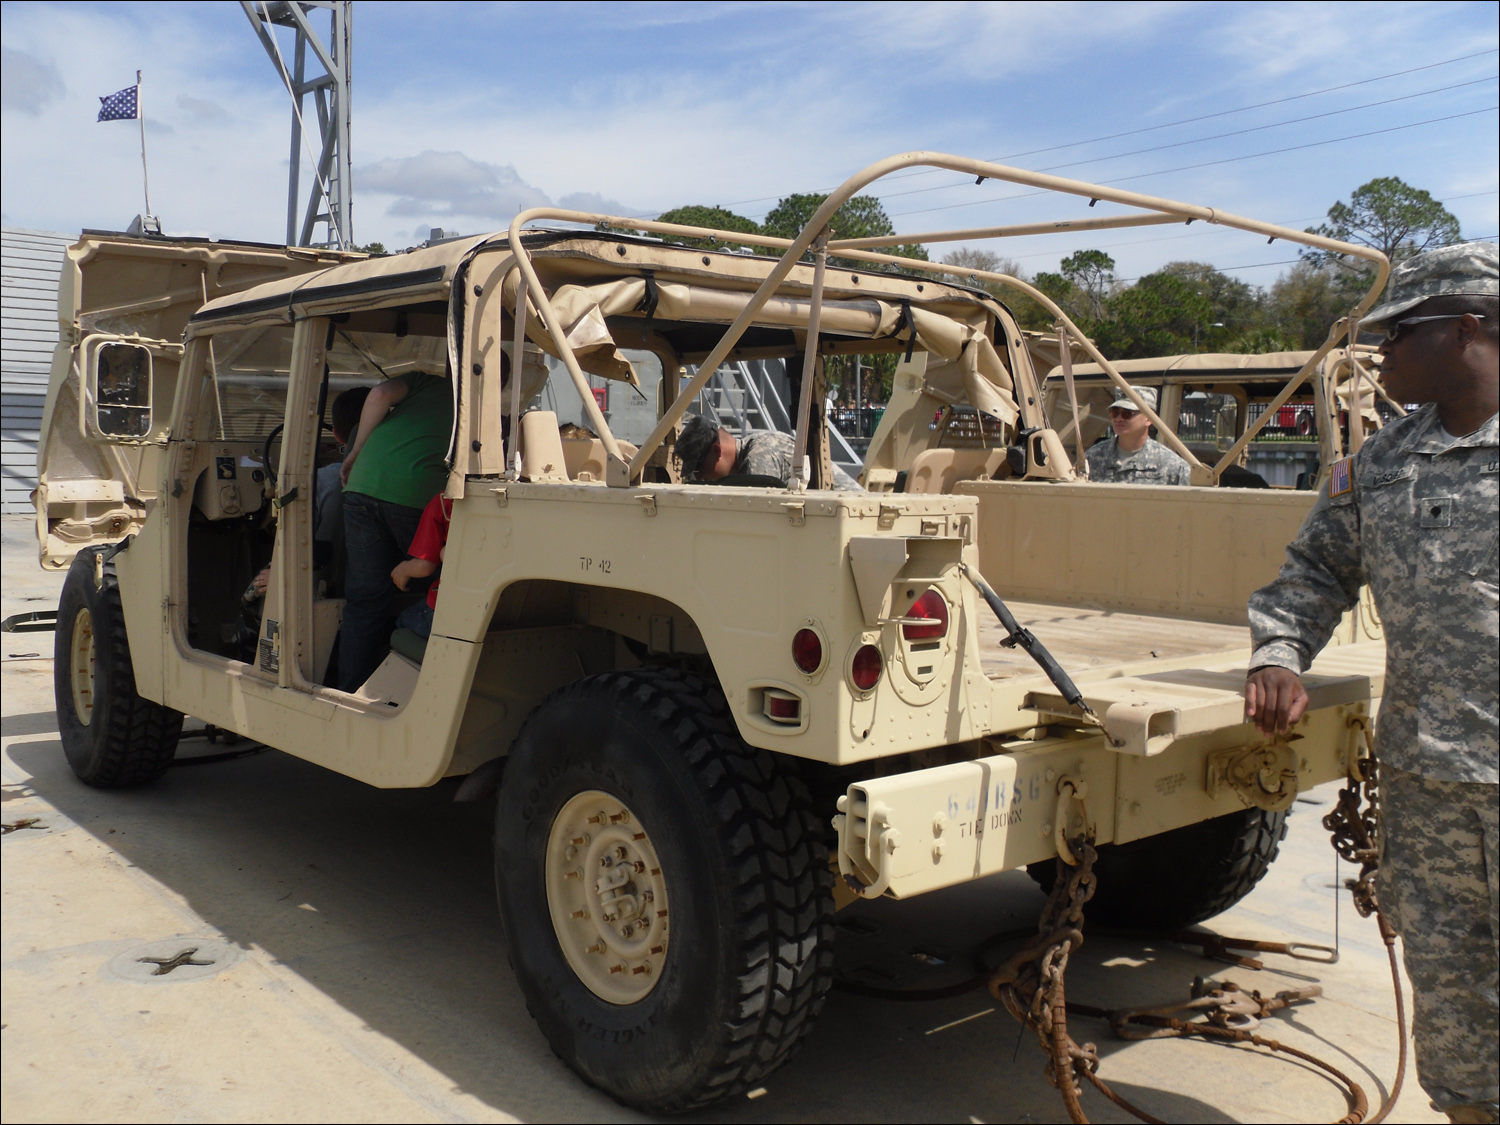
<point x="697" y="438"/>
<point x="1463" y="269"/>
<point x="1148" y="396"/>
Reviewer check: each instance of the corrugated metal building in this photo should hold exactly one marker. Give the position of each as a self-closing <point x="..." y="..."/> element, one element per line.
<point x="29" y="268"/>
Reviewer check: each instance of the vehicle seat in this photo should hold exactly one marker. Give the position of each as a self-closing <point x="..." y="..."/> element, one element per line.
<point x="542" y="448"/>
<point x="938" y="470"/>
<point x="585" y="455"/>
<point x="408" y="644"/>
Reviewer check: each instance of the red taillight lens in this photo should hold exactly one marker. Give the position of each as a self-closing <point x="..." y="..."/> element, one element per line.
<point x="807" y="651"/>
<point x="867" y="666"/>
<point x="783" y="706"/>
<point x="931" y="606"/>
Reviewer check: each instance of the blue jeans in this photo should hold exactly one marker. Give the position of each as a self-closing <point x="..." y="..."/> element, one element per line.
<point x="417" y="618"/>
<point x="377" y="534"/>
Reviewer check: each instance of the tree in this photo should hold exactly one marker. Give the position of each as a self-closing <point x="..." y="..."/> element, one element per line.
<point x="374" y="249"/>
<point x="1156" y="316"/>
<point x="1388" y="215"/>
<point x="1027" y="312"/>
<point x="860" y="217"/>
<point x="697" y="215"/>
<point x="1234" y="307"/>
<point x="1306" y="300"/>
<point x="1092" y="273"/>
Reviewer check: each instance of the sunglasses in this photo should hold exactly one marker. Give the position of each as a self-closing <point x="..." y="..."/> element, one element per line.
<point x="1394" y="330"/>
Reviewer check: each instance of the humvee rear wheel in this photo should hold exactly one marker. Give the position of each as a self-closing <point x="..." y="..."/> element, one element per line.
<point x="1181" y="877"/>
<point x="607" y="897"/>
<point x="111" y="736"/>
<point x="664" y="889"/>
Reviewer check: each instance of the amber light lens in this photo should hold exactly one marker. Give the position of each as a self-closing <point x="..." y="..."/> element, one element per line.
<point x="867" y="666"/>
<point x="930" y="605"/>
<point x="807" y="651"/>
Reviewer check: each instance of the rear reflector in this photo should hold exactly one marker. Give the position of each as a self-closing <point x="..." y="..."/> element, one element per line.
<point x="782" y="706"/>
<point x="807" y="651"/>
<point x="866" y="667"/>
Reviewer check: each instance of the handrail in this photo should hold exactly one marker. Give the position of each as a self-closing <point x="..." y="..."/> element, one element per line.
<point x="1166" y="211"/>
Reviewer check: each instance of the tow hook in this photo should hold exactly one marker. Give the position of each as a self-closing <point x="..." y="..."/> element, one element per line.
<point x="1070" y="821"/>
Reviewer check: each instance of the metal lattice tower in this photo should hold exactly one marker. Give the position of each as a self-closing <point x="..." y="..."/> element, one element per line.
<point x="328" y="201"/>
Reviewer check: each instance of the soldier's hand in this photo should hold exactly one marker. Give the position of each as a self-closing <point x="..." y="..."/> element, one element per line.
<point x="1274" y="699"/>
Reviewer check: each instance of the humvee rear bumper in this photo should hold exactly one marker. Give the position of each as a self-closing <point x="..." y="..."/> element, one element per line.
<point x="1185" y="757"/>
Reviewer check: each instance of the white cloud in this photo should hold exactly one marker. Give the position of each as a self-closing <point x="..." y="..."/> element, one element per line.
<point x="448" y="185"/>
<point x="28" y="84"/>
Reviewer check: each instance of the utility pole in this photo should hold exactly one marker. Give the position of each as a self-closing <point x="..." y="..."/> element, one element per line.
<point x="329" y="200"/>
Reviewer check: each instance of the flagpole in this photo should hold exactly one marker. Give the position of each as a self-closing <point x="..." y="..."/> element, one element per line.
<point x="140" y="112"/>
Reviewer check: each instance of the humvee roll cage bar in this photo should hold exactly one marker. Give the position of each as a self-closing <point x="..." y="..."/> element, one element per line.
<point x="816" y="236"/>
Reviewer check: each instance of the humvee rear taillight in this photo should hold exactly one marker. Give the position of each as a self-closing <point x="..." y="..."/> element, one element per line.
<point x="807" y="650"/>
<point x="866" y="667"/>
<point x="931" y="607"/>
<point x="782" y="706"/>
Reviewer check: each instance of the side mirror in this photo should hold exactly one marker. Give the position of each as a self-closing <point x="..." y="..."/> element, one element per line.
<point x="116" y="400"/>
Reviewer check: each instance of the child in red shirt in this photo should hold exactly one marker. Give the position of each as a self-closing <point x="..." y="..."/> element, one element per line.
<point x="427" y="549"/>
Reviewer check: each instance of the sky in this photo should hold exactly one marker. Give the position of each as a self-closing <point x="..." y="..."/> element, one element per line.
<point x="463" y="113"/>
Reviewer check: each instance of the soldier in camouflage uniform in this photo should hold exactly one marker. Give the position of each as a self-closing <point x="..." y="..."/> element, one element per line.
<point x="1413" y="514"/>
<point x="710" y="453"/>
<point x="1131" y="455"/>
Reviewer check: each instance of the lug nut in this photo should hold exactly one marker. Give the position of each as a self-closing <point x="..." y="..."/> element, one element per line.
<point x="637" y="835"/>
<point x="579" y="914"/>
<point x="620" y="852"/>
<point x="597" y="947"/>
<point x="619" y="816"/>
<point x="576" y="873"/>
<point x="646" y="968"/>
<point x="570" y="852"/>
<point x="580" y="841"/>
<point x="617" y="968"/>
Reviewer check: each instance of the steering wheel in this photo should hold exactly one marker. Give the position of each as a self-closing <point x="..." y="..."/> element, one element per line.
<point x="265" y="449"/>
<point x="265" y="452"/>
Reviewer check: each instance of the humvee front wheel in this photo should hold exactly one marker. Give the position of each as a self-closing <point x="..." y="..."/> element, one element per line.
<point x="664" y="889"/>
<point x="1181" y="877"/>
<point x="111" y="736"/>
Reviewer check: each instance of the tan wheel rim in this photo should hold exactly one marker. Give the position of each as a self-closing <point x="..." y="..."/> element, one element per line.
<point x="81" y="666"/>
<point x="607" y="897"/>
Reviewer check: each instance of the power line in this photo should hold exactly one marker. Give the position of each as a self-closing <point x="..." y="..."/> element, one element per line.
<point x="1184" y="121"/>
<point x="1213" y="163"/>
<point x="1216" y="136"/>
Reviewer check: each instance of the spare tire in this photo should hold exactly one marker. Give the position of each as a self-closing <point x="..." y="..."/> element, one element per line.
<point x="112" y="737"/>
<point x="1181" y="877"/>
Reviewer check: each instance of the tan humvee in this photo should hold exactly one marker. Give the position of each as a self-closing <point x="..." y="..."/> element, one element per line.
<point x="676" y="687"/>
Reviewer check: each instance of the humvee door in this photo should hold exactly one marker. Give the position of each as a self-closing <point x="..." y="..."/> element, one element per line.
<point x="122" y="306"/>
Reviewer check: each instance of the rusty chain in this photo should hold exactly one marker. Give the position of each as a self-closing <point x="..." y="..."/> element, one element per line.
<point x="1355" y="833"/>
<point x="1030" y="984"/>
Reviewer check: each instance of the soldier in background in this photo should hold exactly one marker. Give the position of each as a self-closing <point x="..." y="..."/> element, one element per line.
<point x="1414" y="516"/>
<point x="710" y="453"/>
<point x="1131" y="455"/>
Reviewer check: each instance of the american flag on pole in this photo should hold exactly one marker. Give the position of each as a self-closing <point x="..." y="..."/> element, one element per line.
<point x="120" y="106"/>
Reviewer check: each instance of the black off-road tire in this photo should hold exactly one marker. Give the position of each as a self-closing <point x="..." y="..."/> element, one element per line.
<point x="1181" y="877"/>
<point x="745" y="863"/>
<point x="122" y="740"/>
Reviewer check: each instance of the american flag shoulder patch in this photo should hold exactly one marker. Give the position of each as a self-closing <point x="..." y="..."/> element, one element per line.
<point x="1340" y="480"/>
